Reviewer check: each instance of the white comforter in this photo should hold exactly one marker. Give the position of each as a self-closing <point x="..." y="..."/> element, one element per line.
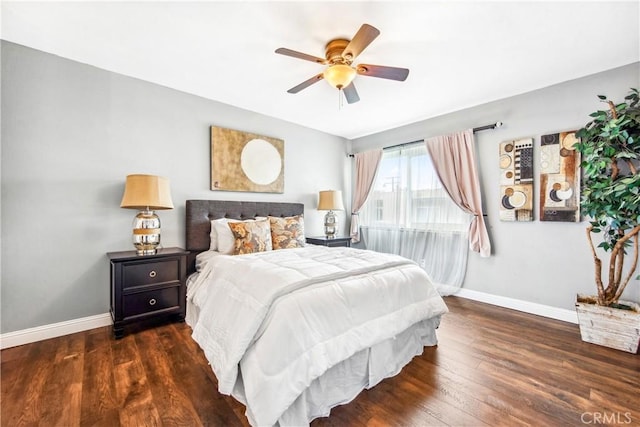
<point x="272" y="322"/>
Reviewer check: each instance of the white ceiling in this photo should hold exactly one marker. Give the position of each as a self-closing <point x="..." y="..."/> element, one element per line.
<point x="460" y="54"/>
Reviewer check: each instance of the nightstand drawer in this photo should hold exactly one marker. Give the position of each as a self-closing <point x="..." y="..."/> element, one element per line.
<point x="151" y="301"/>
<point x="333" y="242"/>
<point x="149" y="273"/>
<point x="337" y="243"/>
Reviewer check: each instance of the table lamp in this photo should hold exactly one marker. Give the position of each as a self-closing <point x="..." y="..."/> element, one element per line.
<point x="330" y="200"/>
<point x="146" y="193"/>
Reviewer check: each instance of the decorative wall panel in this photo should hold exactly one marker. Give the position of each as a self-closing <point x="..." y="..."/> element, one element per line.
<point x="242" y="161"/>
<point x="516" y="180"/>
<point x="559" y="178"/>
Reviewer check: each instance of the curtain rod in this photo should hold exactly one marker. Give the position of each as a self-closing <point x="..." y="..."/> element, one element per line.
<point x="478" y="129"/>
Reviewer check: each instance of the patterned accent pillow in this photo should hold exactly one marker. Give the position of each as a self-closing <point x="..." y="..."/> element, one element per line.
<point x="287" y="233"/>
<point x="221" y="237"/>
<point x="251" y="236"/>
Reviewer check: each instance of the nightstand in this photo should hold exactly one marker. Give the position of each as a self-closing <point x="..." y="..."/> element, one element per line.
<point x="334" y="242"/>
<point x="147" y="286"/>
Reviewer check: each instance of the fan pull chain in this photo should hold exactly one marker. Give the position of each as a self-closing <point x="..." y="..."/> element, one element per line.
<point x="340" y="101"/>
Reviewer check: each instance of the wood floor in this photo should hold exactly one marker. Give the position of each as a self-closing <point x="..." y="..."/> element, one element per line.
<point x="492" y="367"/>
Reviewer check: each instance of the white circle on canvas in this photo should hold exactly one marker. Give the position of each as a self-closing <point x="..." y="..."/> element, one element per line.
<point x="260" y="161"/>
<point x="505" y="161"/>
<point x="518" y="199"/>
<point x="564" y="194"/>
<point x="569" y="141"/>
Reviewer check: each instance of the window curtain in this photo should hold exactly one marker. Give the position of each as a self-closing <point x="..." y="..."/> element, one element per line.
<point x="454" y="161"/>
<point x="409" y="213"/>
<point x="366" y="167"/>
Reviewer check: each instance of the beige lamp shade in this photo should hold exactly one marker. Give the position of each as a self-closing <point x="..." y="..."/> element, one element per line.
<point x="330" y="200"/>
<point x="146" y="192"/>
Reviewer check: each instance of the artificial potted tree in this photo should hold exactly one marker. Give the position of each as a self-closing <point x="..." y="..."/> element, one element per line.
<point x="610" y="148"/>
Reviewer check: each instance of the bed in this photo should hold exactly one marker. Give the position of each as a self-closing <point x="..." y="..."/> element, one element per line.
<point x="292" y="333"/>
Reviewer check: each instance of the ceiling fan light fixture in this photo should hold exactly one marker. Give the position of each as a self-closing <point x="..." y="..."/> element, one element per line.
<point x="339" y="75"/>
<point x="340" y="71"/>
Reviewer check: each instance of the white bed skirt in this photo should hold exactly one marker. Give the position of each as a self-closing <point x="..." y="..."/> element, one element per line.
<point x="343" y="382"/>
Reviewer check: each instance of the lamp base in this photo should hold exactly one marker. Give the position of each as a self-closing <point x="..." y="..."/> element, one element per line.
<point x="330" y="225"/>
<point x="143" y="252"/>
<point x="146" y="232"/>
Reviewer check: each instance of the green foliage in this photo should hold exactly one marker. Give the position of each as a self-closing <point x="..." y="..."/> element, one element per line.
<point x="610" y="149"/>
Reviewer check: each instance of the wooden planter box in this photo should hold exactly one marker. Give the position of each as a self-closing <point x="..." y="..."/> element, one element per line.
<point x="609" y="327"/>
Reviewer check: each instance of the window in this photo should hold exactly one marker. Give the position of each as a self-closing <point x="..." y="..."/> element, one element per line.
<point x="379" y="209"/>
<point x="407" y="194"/>
<point x="409" y="213"/>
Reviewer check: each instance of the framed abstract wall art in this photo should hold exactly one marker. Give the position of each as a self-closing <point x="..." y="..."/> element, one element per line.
<point x="242" y="161"/>
<point x="559" y="178"/>
<point x="516" y="180"/>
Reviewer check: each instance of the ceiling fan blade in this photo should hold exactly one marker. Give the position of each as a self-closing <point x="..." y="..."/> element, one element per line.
<point x="365" y="35"/>
<point x="391" y="73"/>
<point x="351" y="93"/>
<point x="300" y="55"/>
<point x="305" y="84"/>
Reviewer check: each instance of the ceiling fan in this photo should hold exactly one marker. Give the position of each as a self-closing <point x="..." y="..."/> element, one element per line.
<point x="339" y="56"/>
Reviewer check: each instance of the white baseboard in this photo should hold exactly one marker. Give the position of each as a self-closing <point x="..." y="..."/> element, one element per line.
<point x="39" y="333"/>
<point x="525" y="306"/>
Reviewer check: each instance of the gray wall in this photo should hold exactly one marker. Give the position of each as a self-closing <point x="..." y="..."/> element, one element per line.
<point x="70" y="135"/>
<point x="545" y="263"/>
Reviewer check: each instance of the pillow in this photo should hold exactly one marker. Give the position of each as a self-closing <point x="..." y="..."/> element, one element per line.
<point x="251" y="236"/>
<point x="213" y="236"/>
<point x="287" y="232"/>
<point x="222" y="239"/>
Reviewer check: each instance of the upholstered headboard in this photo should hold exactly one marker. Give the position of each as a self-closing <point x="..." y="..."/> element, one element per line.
<point x="200" y="213"/>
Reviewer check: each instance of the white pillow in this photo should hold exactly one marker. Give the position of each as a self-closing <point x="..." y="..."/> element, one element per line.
<point x="213" y="236"/>
<point x="222" y="239"/>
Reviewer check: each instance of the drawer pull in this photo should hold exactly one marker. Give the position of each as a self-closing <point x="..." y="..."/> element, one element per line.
<point x="152" y="301"/>
<point x="153" y="273"/>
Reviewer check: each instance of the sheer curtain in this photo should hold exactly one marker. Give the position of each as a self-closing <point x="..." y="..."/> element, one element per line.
<point x="409" y="213"/>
